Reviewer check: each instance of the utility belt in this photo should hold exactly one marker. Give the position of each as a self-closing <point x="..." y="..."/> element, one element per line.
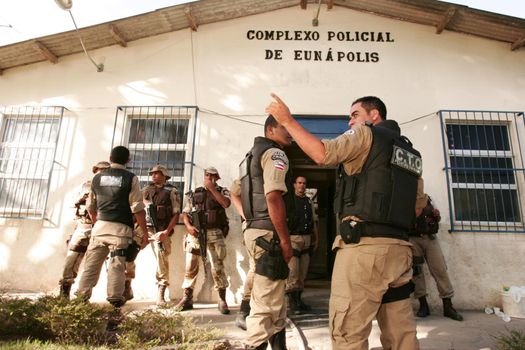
<point x="352" y="231"/>
<point x="130" y="253"/>
<point x="298" y="253"/>
<point x="431" y="236"/>
<point x="398" y="293"/>
<point x="262" y="223"/>
<point x="300" y="233"/>
<point x="271" y="264"/>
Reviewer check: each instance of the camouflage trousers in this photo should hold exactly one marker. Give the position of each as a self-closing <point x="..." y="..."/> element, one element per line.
<point x="216" y="249"/>
<point x="78" y="242"/>
<point x="162" y="257"/>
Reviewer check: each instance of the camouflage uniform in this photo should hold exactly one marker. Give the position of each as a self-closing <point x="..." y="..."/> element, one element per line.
<point x="164" y="199"/>
<point x="216" y="250"/>
<point x="78" y="242"/>
<point x="204" y="200"/>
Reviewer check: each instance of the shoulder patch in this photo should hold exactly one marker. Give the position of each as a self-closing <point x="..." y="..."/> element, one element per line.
<point x="279" y="156"/>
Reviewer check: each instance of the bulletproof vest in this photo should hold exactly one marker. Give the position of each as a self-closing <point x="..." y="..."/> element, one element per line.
<point x="251" y="173"/>
<point x="303" y="216"/>
<point x="215" y="213"/>
<point x="161" y="199"/>
<point x="112" y="188"/>
<point x="384" y="192"/>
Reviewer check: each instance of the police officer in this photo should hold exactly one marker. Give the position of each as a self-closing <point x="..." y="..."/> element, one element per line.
<point x="263" y="183"/>
<point x="162" y="199"/>
<point x="212" y="199"/>
<point x="426" y="248"/>
<point x="78" y="242"/>
<point x="304" y="238"/>
<point x="375" y="200"/>
<point x="113" y="201"/>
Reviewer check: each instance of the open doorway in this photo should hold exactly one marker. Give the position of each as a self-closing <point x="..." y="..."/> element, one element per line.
<point x="321" y="189"/>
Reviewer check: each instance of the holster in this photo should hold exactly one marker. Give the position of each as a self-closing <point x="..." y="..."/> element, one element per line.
<point x="271" y="264"/>
<point x="132" y="251"/>
<point x="350" y="234"/>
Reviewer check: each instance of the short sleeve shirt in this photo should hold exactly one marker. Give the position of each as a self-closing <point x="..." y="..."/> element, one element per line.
<point x="274" y="163"/>
<point x="421" y="198"/>
<point x="235" y="187"/>
<point x="350" y="149"/>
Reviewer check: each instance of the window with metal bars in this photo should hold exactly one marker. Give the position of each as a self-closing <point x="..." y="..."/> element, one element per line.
<point x="484" y="168"/>
<point x="29" y="137"/>
<point x="158" y="135"/>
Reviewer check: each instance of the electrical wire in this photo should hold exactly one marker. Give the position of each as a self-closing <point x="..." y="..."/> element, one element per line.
<point x="100" y="67"/>
<point x="418" y="118"/>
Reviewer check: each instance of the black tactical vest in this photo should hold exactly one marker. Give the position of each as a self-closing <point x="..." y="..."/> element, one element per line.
<point x="254" y="204"/>
<point x="201" y="199"/>
<point x="304" y="224"/>
<point x="161" y="199"/>
<point x="385" y="191"/>
<point x="112" y="188"/>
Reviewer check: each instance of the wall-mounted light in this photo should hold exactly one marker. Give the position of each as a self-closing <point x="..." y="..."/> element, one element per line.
<point x="66" y="6"/>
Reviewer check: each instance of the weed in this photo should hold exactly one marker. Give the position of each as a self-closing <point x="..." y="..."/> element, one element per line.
<point x="155" y="328"/>
<point x="513" y="340"/>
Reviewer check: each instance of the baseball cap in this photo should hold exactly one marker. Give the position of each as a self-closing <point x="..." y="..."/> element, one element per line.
<point x="212" y="170"/>
<point x="160" y="168"/>
<point x="100" y="165"/>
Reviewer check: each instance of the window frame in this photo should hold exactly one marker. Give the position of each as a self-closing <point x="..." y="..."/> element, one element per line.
<point x="35" y="114"/>
<point x="514" y="130"/>
<point x="123" y="121"/>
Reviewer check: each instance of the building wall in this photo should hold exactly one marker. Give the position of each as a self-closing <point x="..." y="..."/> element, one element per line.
<point x="227" y="76"/>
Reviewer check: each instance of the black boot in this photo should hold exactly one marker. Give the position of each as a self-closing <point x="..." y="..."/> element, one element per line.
<point x="65" y="289"/>
<point x="244" y="311"/>
<point x="424" y="310"/>
<point x="128" y="292"/>
<point x="186" y="303"/>
<point x="160" y="295"/>
<point x="114" y="318"/>
<point x="223" y="307"/>
<point x="278" y="340"/>
<point x="293" y="303"/>
<point x="263" y="346"/>
<point x="449" y="311"/>
<point x="302" y="305"/>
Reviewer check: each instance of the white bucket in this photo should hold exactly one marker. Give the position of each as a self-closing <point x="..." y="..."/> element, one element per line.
<point x="511" y="307"/>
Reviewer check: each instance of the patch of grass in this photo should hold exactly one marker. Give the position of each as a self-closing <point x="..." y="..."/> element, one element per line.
<point x="155" y="328"/>
<point x="20" y="318"/>
<point x="512" y="340"/>
<point x="53" y="323"/>
<point x="45" y="345"/>
<point x="76" y="321"/>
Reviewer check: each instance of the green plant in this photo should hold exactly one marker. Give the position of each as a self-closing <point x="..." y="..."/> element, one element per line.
<point x="155" y="328"/>
<point x="19" y="318"/>
<point x="513" y="340"/>
<point x="45" y="345"/>
<point x="76" y="321"/>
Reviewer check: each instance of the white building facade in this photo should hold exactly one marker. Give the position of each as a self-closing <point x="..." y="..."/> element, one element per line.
<point x="192" y="99"/>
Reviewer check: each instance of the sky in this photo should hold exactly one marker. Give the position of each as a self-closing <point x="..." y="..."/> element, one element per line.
<point x="22" y="19"/>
